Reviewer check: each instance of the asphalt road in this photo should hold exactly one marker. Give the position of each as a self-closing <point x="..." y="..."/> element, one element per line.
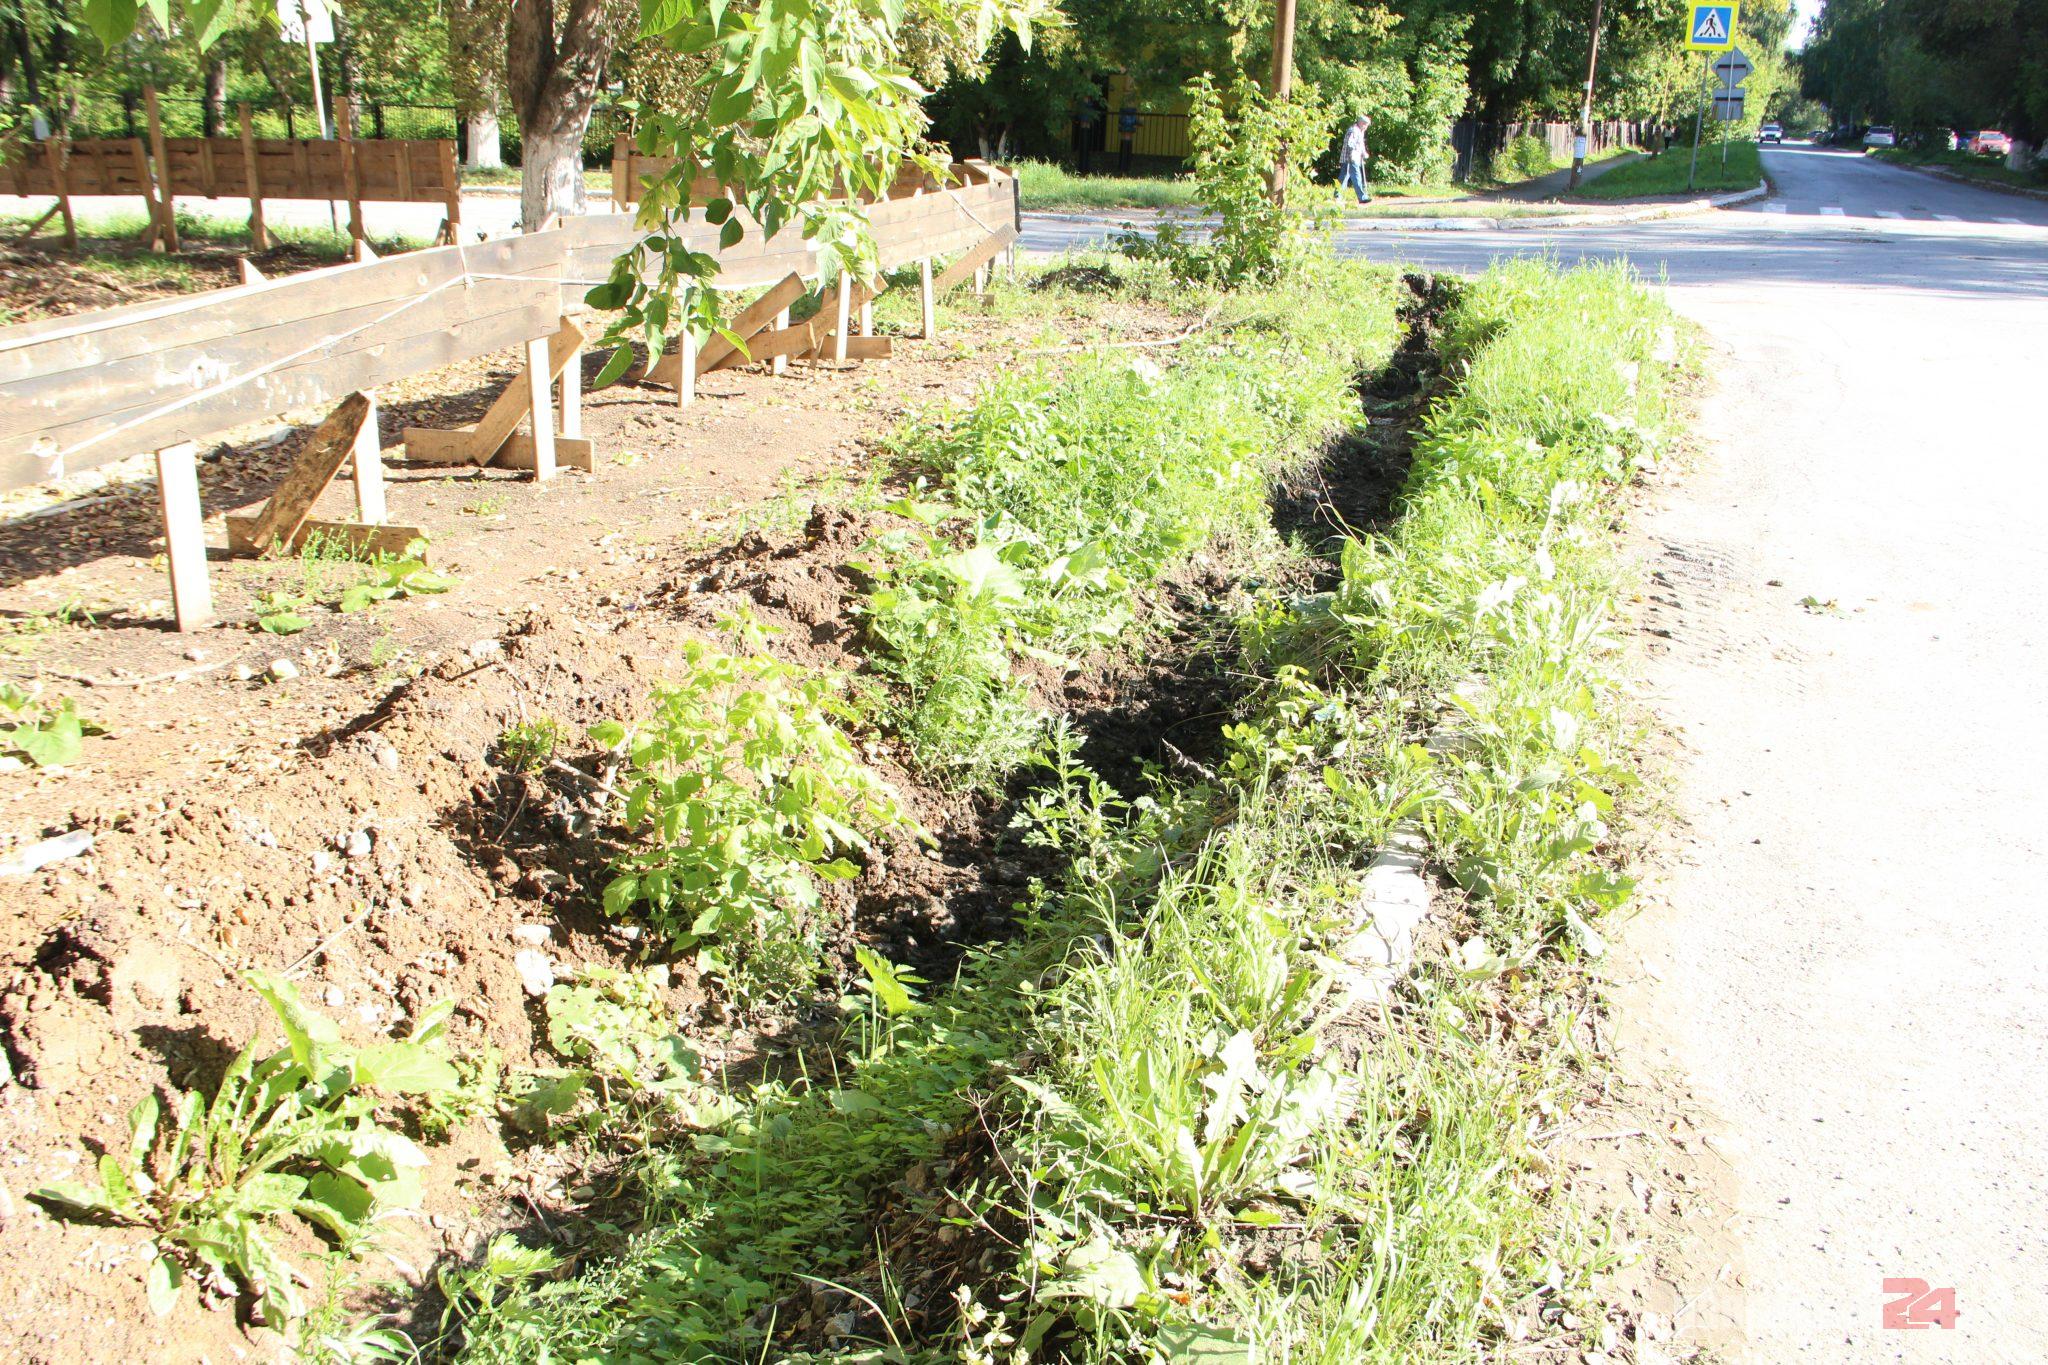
<point x="1846" y="953"/>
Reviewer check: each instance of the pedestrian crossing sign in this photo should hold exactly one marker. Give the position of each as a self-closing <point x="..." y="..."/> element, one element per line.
<point x="1712" y="28"/>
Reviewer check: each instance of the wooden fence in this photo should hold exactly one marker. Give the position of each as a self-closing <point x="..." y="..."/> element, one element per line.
<point x="341" y="168"/>
<point x="77" y="392"/>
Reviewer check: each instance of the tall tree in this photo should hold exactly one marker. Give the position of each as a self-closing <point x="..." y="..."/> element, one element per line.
<point x="554" y="68"/>
<point x="476" y="65"/>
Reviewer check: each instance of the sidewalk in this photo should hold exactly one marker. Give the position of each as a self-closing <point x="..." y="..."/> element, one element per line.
<point x="1557" y="182"/>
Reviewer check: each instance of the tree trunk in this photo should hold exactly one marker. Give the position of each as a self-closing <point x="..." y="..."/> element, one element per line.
<point x="551" y="170"/>
<point x="554" y="83"/>
<point x="214" y="115"/>
<point x="486" y="150"/>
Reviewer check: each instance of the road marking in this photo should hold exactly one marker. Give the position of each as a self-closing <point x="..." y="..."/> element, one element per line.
<point x="1887" y="213"/>
<point x="2012" y="222"/>
<point x="1774" y="208"/>
<point x="1832" y="211"/>
<point x="1947" y="218"/>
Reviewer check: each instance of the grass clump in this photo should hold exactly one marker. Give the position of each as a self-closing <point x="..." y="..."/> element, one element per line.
<point x="1665" y="172"/>
<point x="1044" y="185"/>
<point x="1080" y="486"/>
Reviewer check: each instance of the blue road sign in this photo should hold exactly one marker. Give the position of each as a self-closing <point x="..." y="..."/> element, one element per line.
<point x="1712" y="27"/>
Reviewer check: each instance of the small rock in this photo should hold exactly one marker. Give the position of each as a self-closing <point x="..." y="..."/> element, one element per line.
<point x="322" y="860"/>
<point x="415" y="896"/>
<point x="284" y="670"/>
<point x="243" y="672"/>
<point x="536" y="934"/>
<point x="196" y="654"/>
<point x="484" y="649"/>
<point x="334" y="998"/>
<point x="385" y="757"/>
<point x="536" y="973"/>
<point x="358" y="845"/>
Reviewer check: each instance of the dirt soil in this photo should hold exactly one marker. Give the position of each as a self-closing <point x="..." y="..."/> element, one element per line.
<point x="42" y="280"/>
<point x="334" y="805"/>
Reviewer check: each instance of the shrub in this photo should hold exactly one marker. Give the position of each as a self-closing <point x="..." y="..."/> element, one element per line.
<point x="1525" y="158"/>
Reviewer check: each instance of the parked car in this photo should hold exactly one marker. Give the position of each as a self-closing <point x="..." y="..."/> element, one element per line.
<point x="1991" y="142"/>
<point x="1880" y="137"/>
<point x="1771" y="132"/>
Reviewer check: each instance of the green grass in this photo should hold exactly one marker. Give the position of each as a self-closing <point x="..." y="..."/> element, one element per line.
<point x="1665" y="173"/>
<point x="130" y="227"/>
<point x="597" y="181"/>
<point x="1993" y="170"/>
<point x="1047" y="186"/>
<point x="1147" y="1126"/>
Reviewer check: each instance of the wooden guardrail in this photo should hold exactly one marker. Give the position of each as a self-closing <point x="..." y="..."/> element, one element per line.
<point x="77" y="392"/>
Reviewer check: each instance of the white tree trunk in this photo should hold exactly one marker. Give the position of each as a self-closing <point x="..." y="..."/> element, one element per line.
<point x="485" y="150"/>
<point x="551" y="173"/>
<point x="2020" y="157"/>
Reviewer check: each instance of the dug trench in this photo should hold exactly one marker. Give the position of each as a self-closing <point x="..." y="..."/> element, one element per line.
<point x="1153" y="722"/>
<point x="442" y="867"/>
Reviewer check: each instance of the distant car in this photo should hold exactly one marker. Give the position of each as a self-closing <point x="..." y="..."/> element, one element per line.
<point x="1991" y="142"/>
<point x="1880" y="137"/>
<point x="1771" y="132"/>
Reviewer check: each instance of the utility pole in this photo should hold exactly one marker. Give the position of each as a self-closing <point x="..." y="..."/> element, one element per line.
<point x="1586" y="109"/>
<point x="1283" y="82"/>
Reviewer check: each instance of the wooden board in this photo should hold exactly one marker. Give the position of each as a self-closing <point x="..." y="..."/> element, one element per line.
<point x="975" y="259"/>
<point x="319" y="461"/>
<point x="868" y="348"/>
<point x="477" y="443"/>
<point x="91" y="166"/>
<point x="380" y="539"/>
<point x="78" y="391"/>
<point x="571" y="452"/>
<point x="718" y="351"/>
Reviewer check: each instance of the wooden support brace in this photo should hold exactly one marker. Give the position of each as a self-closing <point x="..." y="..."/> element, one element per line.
<point x="719" y="352"/>
<point x="37" y="226"/>
<point x="975" y="258"/>
<point x="59" y="152"/>
<point x="332" y="442"/>
<point x="776" y="364"/>
<point x="250" y="274"/>
<point x="687" y="369"/>
<point x="571" y="452"/>
<point x="477" y="444"/>
<point x="177" y="482"/>
<point x="839" y="326"/>
<point x="927" y="300"/>
<point x="351" y="178"/>
<point x="835" y="314"/>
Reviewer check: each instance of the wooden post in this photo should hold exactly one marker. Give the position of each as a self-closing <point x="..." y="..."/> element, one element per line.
<point x="981" y="278"/>
<point x="867" y="317"/>
<point x="844" y="309"/>
<point x="780" y="365"/>
<point x="453" y="175"/>
<point x="166" y="202"/>
<point x="345" y="136"/>
<point x="572" y="396"/>
<point x="58" y="150"/>
<point x="250" y="274"/>
<point x="177" y="483"/>
<point x="366" y="460"/>
<point x="927" y="305"/>
<point x="259" y="233"/>
<point x="541" y="404"/>
<point x="686" y="370"/>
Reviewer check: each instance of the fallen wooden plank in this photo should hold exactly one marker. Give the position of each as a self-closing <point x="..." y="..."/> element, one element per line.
<point x="976" y="258"/>
<point x="381" y="539"/>
<point x="794" y="340"/>
<point x="318" y="462"/>
<point x="867" y="348"/>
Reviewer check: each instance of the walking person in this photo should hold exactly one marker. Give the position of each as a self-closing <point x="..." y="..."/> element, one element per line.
<point x="1351" y="161"/>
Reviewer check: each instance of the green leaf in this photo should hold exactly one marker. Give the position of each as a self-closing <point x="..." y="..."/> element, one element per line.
<point x="56" y="742"/>
<point x="283" y="623"/>
<point x="70" y="1197"/>
<point x="621" y="360"/>
<point x="307" y="1031"/>
<point x="142" y="1121"/>
<point x="406" y="1069"/>
<point x="340" y="1204"/>
<point x="111" y="21"/>
<point x="162" y="1280"/>
<point x="658" y="17"/>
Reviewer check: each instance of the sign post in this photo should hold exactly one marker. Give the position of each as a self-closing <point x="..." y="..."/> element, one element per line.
<point x="1710" y="27"/>
<point x="310" y="22"/>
